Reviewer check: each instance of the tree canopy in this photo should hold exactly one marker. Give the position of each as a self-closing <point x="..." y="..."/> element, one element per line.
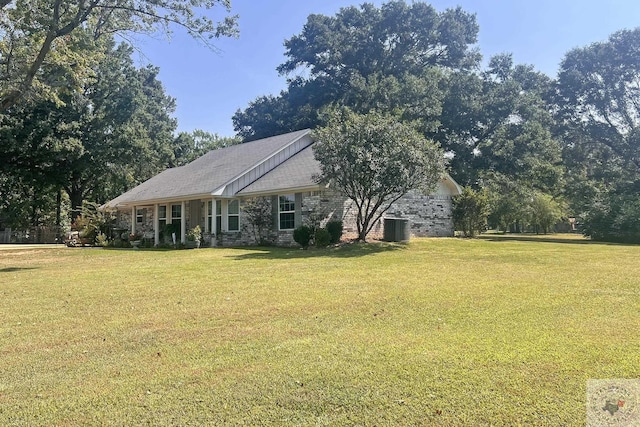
<point x="365" y="58"/>
<point x="188" y="146"/>
<point x="599" y="120"/>
<point x="79" y="121"/>
<point x="116" y="132"/>
<point x="374" y="160"/>
<point x="49" y="45"/>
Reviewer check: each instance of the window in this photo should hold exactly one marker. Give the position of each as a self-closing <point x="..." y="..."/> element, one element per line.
<point x="218" y="216"/>
<point x="233" y="210"/>
<point x="139" y="216"/>
<point x="286" y="212"/>
<point x="176" y="213"/>
<point x="162" y="216"/>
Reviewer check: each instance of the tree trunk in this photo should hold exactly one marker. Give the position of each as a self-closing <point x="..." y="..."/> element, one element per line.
<point x="76" y="196"/>
<point x="58" y="214"/>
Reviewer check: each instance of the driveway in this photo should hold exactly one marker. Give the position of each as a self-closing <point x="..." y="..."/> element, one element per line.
<point x="5" y="247"/>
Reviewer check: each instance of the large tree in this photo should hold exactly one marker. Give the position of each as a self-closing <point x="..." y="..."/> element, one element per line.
<point x="496" y="125"/>
<point x="599" y="93"/>
<point x="365" y="58"/>
<point x="484" y="113"/>
<point x="374" y="160"/>
<point x="114" y="133"/>
<point x="49" y="44"/>
<point x="188" y="146"/>
<point x="599" y="112"/>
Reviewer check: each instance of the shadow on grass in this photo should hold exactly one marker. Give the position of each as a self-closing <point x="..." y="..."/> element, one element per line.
<point x="547" y="239"/>
<point x="352" y="250"/>
<point x="14" y="269"/>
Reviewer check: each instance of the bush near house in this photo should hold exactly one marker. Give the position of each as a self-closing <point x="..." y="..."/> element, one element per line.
<point x="322" y="237"/>
<point x="335" y="228"/>
<point x="303" y="235"/>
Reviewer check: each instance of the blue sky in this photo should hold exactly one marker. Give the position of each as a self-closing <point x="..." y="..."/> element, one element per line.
<point x="209" y="87"/>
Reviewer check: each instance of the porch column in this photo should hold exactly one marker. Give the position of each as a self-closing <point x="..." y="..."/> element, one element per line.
<point x="156" y="225"/>
<point x="183" y="222"/>
<point x="214" y="231"/>
<point x="133" y="220"/>
<point x="206" y="217"/>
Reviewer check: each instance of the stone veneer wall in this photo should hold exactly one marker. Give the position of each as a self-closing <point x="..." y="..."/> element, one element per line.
<point x="123" y="220"/>
<point x="429" y="215"/>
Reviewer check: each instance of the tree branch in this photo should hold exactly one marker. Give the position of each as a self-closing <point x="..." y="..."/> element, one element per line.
<point x="15" y="95"/>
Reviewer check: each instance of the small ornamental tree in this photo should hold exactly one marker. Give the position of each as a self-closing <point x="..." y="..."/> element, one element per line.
<point x="259" y="216"/>
<point x="470" y="211"/>
<point x="374" y="160"/>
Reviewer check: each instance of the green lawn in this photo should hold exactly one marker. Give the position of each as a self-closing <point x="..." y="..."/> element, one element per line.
<point x="494" y="331"/>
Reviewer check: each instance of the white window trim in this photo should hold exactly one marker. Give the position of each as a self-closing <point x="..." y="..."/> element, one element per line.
<point x="280" y="212"/>
<point x="229" y="215"/>
<point x="176" y="219"/>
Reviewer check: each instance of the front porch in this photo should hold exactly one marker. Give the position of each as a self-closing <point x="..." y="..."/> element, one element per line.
<point x="164" y="222"/>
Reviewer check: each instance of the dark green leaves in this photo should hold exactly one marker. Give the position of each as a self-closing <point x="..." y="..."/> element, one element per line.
<point x="374" y="160"/>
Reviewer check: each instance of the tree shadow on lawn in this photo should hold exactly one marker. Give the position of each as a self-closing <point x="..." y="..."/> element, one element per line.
<point x="14" y="269"/>
<point x="547" y="239"/>
<point x="350" y="250"/>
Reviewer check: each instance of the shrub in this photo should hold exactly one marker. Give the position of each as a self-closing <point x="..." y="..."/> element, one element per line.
<point x="613" y="217"/>
<point x="194" y="234"/>
<point x="334" y="228"/>
<point x="101" y="240"/>
<point x="118" y="243"/>
<point x="92" y="221"/>
<point x="167" y="230"/>
<point x="302" y="235"/>
<point x="322" y="237"/>
<point x="470" y="211"/>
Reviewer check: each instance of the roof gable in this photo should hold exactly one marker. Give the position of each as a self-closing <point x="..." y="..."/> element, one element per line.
<point x="296" y="173"/>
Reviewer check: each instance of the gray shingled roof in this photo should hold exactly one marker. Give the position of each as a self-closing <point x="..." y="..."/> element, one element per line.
<point x="207" y="173"/>
<point x="297" y="172"/>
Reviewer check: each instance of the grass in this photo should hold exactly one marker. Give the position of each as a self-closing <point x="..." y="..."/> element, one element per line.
<point x="493" y="331"/>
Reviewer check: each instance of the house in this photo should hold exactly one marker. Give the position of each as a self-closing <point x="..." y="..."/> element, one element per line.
<point x="213" y="190"/>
